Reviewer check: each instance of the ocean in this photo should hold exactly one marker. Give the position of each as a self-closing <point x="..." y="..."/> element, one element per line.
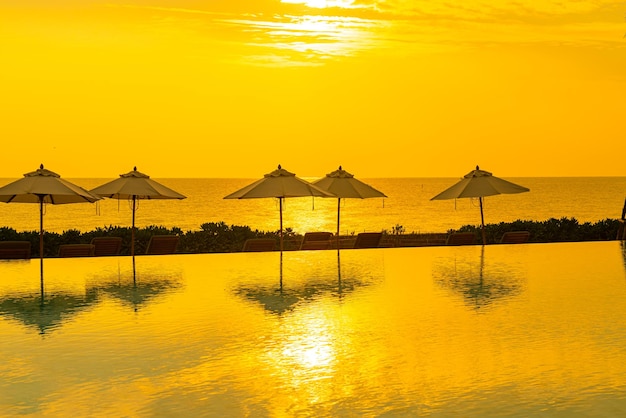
<point x="588" y="199"/>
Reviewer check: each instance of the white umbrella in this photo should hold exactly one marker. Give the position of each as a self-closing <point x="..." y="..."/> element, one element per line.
<point x="135" y="185"/>
<point x="479" y="183"/>
<point x="280" y="184"/>
<point x="44" y="186"/>
<point x="343" y="185"/>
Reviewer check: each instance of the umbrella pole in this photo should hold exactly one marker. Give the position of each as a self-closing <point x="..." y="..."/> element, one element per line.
<point x="132" y="233"/>
<point x="338" y="212"/>
<point x="41" y="226"/>
<point x="482" y="220"/>
<point x="280" y="206"/>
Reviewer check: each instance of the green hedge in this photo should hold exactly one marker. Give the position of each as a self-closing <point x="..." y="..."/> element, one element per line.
<point x="212" y="237"/>
<point x="551" y="230"/>
<point x="217" y="237"/>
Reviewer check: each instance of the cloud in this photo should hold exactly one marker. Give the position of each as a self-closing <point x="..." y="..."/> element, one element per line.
<point x="359" y="25"/>
<point x="485" y="9"/>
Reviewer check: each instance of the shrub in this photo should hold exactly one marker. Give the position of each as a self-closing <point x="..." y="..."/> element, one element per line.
<point x="214" y="237"/>
<point x="551" y="230"/>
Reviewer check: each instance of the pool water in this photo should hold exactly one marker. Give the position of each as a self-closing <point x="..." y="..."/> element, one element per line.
<point x="496" y="331"/>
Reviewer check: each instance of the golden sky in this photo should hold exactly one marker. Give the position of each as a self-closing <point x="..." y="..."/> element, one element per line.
<point x="386" y="88"/>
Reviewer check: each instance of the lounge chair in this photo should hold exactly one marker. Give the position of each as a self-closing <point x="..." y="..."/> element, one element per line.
<point x="107" y="245"/>
<point x="515" y="237"/>
<point x="76" y="250"/>
<point x="461" y="238"/>
<point x="162" y="244"/>
<point x="316" y="241"/>
<point x="259" y="244"/>
<point x="14" y="249"/>
<point x="344" y="242"/>
<point x="368" y="240"/>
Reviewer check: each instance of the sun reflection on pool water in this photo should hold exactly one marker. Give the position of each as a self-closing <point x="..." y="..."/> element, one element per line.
<point x="312" y="350"/>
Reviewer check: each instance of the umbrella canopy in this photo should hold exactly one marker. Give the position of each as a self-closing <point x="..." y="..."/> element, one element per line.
<point x="44" y="186"/>
<point x="136" y="185"/>
<point x="132" y="186"/>
<point x="343" y="185"/>
<point x="479" y="183"/>
<point x="280" y="184"/>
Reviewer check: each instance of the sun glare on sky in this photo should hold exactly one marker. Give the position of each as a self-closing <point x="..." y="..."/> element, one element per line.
<point x="321" y="4"/>
<point x="308" y="40"/>
<point x="388" y="88"/>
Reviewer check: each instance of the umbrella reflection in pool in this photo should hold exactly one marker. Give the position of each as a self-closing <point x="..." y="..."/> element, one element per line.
<point x="277" y="301"/>
<point x="43" y="310"/>
<point x="481" y="283"/>
<point x="137" y="292"/>
<point x="309" y="279"/>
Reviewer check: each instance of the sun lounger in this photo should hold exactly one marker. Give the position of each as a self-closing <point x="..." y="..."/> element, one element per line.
<point x="259" y="244"/>
<point x="368" y="240"/>
<point x="515" y="237"/>
<point x="14" y="249"/>
<point x="76" y="250"/>
<point x="162" y="244"/>
<point x="461" y="238"/>
<point x="316" y="241"/>
<point x="107" y="245"/>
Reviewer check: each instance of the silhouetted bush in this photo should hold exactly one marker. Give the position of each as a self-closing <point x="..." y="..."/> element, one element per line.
<point x="551" y="230"/>
<point x="217" y="237"/>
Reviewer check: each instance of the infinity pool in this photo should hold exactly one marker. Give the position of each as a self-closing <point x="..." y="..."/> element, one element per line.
<point x="497" y="331"/>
